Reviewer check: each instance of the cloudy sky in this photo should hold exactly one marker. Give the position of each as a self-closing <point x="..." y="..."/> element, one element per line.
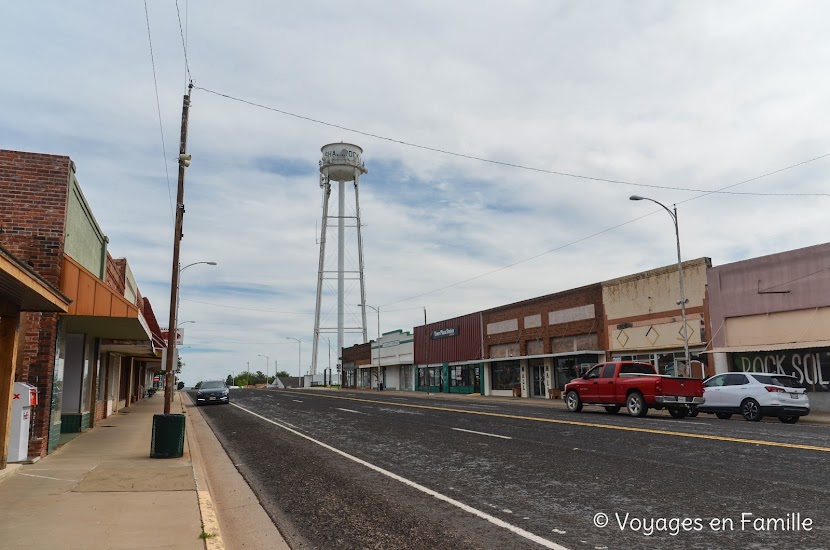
<point x="664" y="99"/>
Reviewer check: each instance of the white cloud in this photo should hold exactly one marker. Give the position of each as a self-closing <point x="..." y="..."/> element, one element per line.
<point x="696" y="95"/>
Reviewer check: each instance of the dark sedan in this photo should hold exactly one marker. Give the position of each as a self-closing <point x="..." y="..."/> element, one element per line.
<point x="212" y="391"/>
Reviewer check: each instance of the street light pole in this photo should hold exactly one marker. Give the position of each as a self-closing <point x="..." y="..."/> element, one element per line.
<point x="299" y="356"/>
<point x="329" y="341"/>
<point x="680" y="273"/>
<point x="267" y="362"/>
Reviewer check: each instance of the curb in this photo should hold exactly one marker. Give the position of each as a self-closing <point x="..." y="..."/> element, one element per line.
<point x="210" y="521"/>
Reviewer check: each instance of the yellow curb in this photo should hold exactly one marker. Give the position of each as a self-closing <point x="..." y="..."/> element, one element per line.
<point x="210" y="521"/>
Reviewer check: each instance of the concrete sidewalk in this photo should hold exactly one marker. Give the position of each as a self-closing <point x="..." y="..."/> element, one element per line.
<point x="102" y="490"/>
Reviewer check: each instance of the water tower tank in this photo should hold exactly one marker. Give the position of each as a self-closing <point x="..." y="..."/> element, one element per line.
<point x="342" y="161"/>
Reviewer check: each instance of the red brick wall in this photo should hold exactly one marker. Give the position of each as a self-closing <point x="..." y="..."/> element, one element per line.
<point x="33" y="192"/>
<point x="37" y="368"/>
<point x="542" y="305"/>
<point x="33" y="195"/>
<point x="114" y="276"/>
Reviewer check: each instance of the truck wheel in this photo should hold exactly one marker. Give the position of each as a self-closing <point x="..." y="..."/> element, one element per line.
<point x="678" y="412"/>
<point x="612" y="409"/>
<point x="636" y="404"/>
<point x="573" y="402"/>
<point x="751" y="410"/>
<point x="693" y="412"/>
<point x="724" y="416"/>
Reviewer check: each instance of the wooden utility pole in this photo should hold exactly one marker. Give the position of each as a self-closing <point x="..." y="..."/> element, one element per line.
<point x="184" y="161"/>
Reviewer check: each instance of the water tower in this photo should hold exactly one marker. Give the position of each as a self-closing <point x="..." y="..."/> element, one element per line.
<point x="342" y="163"/>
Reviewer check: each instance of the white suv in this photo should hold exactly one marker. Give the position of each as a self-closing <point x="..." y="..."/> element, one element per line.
<point x="755" y="395"/>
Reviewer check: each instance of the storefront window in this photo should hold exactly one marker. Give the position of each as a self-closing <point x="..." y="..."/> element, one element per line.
<point x="505" y="375"/>
<point x="464" y="376"/>
<point x="429" y="376"/>
<point x="573" y="366"/>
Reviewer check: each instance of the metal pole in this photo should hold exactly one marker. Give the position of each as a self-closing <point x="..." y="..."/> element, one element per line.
<point x="682" y="302"/>
<point x="326" y="186"/>
<point x="299" y="357"/>
<point x="682" y="295"/>
<point x="267" y="362"/>
<point x="177" y="237"/>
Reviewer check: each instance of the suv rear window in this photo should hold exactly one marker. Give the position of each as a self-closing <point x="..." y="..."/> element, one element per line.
<point x="773" y="380"/>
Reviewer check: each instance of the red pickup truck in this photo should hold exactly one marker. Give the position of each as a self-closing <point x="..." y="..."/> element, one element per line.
<point x="636" y="386"/>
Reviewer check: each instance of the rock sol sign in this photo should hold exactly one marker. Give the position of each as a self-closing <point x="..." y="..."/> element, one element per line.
<point x="810" y="366"/>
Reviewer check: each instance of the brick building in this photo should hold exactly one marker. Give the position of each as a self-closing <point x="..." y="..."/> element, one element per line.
<point x="540" y="344"/>
<point x="46" y="222"/>
<point x="448" y="355"/>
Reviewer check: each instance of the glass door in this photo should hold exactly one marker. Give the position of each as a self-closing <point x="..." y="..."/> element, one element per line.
<point x="538" y="382"/>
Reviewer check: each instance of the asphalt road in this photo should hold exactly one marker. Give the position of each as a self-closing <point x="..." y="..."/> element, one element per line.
<point x="375" y="470"/>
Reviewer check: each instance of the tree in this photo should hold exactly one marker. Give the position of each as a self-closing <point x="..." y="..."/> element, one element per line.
<point x="283" y="374"/>
<point x="180" y="385"/>
<point x="198" y="385"/>
<point x="229" y="380"/>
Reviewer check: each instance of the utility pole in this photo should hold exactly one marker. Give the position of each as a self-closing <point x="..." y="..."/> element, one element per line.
<point x="184" y="162"/>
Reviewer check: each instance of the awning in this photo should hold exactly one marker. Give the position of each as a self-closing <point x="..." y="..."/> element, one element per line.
<point x="25" y="289"/>
<point x="772" y="347"/>
<point x="97" y="309"/>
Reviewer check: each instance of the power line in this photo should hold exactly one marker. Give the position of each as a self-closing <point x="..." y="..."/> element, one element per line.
<point x="558" y="248"/>
<point x="184" y="44"/>
<point x="158" y="108"/>
<point x="249" y="308"/>
<point x="499" y="162"/>
<point x="704" y="194"/>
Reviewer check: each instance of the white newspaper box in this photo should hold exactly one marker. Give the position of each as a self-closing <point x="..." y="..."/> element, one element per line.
<point x="24" y="397"/>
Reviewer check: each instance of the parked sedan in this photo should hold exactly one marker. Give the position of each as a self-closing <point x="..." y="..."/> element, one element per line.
<point x="213" y="391"/>
<point x="755" y="395"/>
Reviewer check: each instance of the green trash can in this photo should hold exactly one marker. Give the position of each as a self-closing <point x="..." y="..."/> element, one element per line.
<point x="168" y="436"/>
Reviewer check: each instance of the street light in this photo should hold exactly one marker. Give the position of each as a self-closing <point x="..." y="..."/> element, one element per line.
<point x="267" y="361"/>
<point x="174" y="315"/>
<point x="680" y="272"/>
<point x="377" y="310"/>
<point x="299" y="356"/>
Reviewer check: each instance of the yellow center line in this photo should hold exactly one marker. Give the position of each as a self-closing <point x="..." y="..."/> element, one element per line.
<point x="577" y="423"/>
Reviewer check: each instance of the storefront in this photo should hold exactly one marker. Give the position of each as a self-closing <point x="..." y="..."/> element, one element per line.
<point x="22" y="290"/>
<point x="357" y="362"/>
<point x="448" y="356"/>
<point x="772" y="314"/>
<point x="645" y="323"/>
<point x="394" y="352"/>
<point x="536" y="346"/>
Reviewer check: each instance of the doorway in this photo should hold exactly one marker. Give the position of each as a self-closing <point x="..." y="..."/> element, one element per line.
<point x="538" y="380"/>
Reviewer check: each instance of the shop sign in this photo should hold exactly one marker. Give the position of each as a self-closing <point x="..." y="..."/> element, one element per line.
<point x="444" y="333"/>
<point x="810" y="366"/>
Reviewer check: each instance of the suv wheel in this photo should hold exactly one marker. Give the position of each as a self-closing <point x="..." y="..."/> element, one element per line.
<point x="788" y="419"/>
<point x="573" y="402"/>
<point x="724" y="416"/>
<point x="751" y="410"/>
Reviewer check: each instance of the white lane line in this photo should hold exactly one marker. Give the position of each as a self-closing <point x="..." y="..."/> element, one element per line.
<point x="481" y="433"/>
<point x="296" y="401"/>
<point x="349" y="411"/>
<point x="483" y="515"/>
